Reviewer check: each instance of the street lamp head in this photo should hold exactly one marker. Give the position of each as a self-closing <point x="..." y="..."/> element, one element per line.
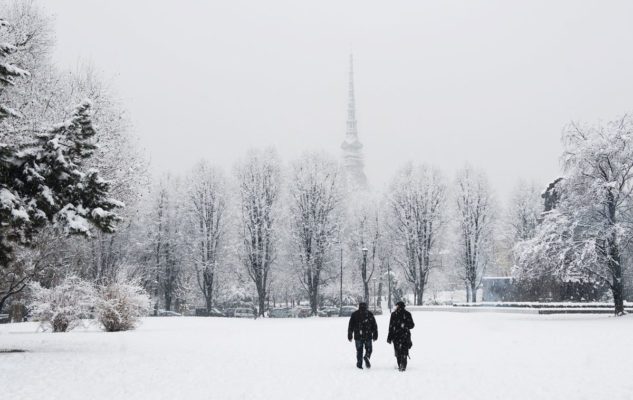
<point x="365" y="250"/>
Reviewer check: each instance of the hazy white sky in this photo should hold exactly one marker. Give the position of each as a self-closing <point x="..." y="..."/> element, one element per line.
<point x="444" y="82"/>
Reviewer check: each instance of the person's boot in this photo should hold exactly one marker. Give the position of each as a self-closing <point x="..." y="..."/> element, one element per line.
<point x="367" y="363"/>
<point x="404" y="364"/>
<point x="399" y="359"/>
<point x="359" y="358"/>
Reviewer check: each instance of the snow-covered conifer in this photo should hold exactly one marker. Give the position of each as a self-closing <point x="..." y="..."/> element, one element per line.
<point x="43" y="180"/>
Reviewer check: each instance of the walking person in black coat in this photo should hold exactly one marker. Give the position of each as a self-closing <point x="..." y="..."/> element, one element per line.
<point x="400" y="326"/>
<point x="362" y="327"/>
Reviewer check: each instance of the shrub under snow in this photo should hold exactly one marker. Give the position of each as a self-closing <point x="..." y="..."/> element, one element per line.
<point x="63" y="306"/>
<point x="119" y="305"/>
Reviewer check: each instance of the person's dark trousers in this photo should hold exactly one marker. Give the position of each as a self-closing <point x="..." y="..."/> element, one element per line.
<point x="359" y="350"/>
<point x="402" y="361"/>
<point x="401" y="355"/>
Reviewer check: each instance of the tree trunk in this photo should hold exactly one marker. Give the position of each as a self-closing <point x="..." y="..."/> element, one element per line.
<point x="208" y="294"/>
<point x="168" y="300"/>
<point x="262" y="302"/>
<point x="261" y="296"/>
<point x="473" y="292"/>
<point x="314" y="302"/>
<point x="617" y="287"/>
<point x="618" y="298"/>
<point x="614" y="259"/>
<point x="419" y="294"/>
<point x="208" y="303"/>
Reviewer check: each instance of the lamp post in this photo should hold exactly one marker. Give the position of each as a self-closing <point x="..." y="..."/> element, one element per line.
<point x="389" y="280"/>
<point x="340" y="304"/>
<point x="365" y="250"/>
<point x="374" y="279"/>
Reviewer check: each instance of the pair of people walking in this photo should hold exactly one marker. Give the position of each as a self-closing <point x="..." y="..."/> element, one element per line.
<point x="363" y="329"/>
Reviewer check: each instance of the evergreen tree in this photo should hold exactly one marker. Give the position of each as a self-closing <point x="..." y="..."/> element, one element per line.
<point x="43" y="179"/>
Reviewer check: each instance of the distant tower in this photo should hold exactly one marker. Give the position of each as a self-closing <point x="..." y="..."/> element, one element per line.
<point x="352" y="148"/>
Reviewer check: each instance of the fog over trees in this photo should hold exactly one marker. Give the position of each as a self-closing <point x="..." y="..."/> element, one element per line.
<point x="78" y="209"/>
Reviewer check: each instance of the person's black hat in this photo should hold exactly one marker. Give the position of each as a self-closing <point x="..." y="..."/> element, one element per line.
<point x="400" y="304"/>
<point x="362" y="305"/>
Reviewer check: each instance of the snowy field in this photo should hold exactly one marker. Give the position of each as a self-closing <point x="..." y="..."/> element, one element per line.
<point x="454" y="356"/>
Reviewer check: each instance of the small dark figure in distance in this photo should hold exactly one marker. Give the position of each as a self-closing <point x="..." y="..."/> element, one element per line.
<point x="362" y="327"/>
<point x="400" y="326"/>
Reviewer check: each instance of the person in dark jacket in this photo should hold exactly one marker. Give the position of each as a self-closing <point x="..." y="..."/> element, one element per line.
<point x="400" y="326"/>
<point x="362" y="327"/>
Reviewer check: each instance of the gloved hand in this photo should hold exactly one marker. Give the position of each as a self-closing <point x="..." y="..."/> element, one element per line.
<point x="388" y="341"/>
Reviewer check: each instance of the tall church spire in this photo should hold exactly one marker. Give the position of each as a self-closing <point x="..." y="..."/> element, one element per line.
<point x="352" y="132"/>
<point x="352" y="147"/>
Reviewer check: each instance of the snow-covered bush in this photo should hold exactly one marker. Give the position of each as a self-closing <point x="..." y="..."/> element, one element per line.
<point x="63" y="306"/>
<point x="120" y="304"/>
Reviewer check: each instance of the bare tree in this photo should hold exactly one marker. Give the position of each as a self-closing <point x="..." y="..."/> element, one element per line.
<point x="365" y="238"/>
<point x="417" y="196"/>
<point x="207" y="203"/>
<point x="316" y="196"/>
<point x="524" y="212"/>
<point x="474" y="220"/>
<point x="259" y="183"/>
<point x="166" y="263"/>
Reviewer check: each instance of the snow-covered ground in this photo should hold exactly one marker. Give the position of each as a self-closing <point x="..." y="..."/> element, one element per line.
<point x="454" y="356"/>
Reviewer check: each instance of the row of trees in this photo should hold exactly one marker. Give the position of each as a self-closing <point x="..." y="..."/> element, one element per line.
<point x="298" y="228"/>
<point x="266" y="231"/>
<point x="200" y="239"/>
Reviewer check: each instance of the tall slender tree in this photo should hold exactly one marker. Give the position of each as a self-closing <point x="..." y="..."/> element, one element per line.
<point x="316" y="196"/>
<point x="207" y="206"/>
<point x="259" y="185"/>
<point x="474" y="220"/>
<point x="417" y="196"/>
<point x="365" y="238"/>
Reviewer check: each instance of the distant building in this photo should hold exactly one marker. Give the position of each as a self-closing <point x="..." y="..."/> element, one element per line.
<point x="353" y="160"/>
<point x="497" y="288"/>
